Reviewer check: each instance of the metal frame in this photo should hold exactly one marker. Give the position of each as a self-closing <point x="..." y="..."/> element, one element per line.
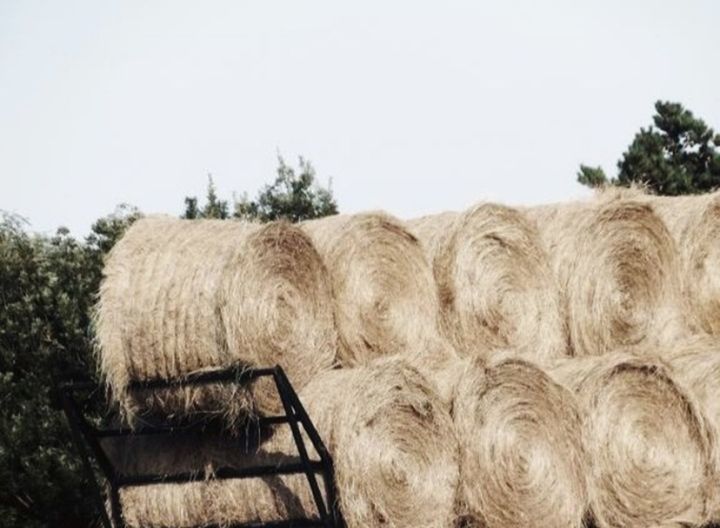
<point x="87" y="441"/>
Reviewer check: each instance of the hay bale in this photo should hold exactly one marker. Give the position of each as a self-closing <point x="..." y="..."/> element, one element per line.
<point x="182" y="296"/>
<point x="497" y="289"/>
<point x="392" y="444"/>
<point x="696" y="363"/>
<point x="385" y="296"/>
<point x="522" y="460"/>
<point x="649" y="444"/>
<point x="209" y="500"/>
<point x="694" y="222"/>
<point x="617" y="267"/>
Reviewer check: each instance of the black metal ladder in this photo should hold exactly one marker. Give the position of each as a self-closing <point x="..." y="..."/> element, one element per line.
<point x="87" y="440"/>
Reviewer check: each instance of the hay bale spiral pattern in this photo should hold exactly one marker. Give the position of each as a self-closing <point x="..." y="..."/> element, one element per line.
<point x="385" y="297"/>
<point x="496" y="287"/>
<point x="617" y="267"/>
<point x="649" y="445"/>
<point x="522" y="460"/>
<point x="696" y="363"/>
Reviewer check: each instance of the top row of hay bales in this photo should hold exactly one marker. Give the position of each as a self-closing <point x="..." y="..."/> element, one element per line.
<point x="581" y="278"/>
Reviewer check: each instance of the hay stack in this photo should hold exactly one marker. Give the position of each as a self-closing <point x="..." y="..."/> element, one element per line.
<point x="497" y="289"/>
<point x="182" y="296"/>
<point x="696" y="363"/>
<point x="694" y="222"/>
<point x="385" y="297"/>
<point x="649" y="445"/>
<point x="617" y="267"/>
<point x="393" y="447"/>
<point x="522" y="460"/>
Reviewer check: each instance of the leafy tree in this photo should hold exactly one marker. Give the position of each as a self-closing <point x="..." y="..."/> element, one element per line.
<point x="592" y="176"/>
<point x="293" y="196"/>
<point x="676" y="156"/>
<point x="48" y="287"/>
<point x="214" y="208"/>
<point x="108" y="230"/>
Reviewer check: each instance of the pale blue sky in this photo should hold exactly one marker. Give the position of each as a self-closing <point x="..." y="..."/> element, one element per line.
<point x="410" y="107"/>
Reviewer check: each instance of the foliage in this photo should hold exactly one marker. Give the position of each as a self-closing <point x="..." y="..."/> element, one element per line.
<point x="676" y="156"/>
<point x="48" y="287"/>
<point x="293" y="196"/>
<point x="214" y="207"/>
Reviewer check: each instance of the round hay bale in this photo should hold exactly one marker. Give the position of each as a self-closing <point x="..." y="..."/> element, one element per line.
<point x="522" y="459"/>
<point x="650" y="447"/>
<point x="497" y="289"/>
<point x="385" y="296"/>
<point x="617" y="267"/>
<point x="183" y="296"/>
<point x="393" y="448"/>
<point x="696" y="363"/>
<point x="694" y="222"/>
<point x="392" y="442"/>
<point x="208" y="501"/>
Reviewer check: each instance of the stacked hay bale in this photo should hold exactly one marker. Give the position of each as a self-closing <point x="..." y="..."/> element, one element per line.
<point x="650" y="447"/>
<point x="394" y="452"/>
<point x="618" y="272"/>
<point x="425" y="438"/>
<point x="385" y="297"/>
<point x="696" y="362"/>
<point x="496" y="287"/>
<point x="184" y="296"/>
<point x="694" y="222"/>
<point x="522" y="458"/>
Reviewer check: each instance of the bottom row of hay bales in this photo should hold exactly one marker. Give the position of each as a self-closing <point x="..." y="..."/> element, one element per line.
<point x="626" y="440"/>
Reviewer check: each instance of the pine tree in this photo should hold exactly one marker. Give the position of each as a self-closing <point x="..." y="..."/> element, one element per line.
<point x="676" y="156"/>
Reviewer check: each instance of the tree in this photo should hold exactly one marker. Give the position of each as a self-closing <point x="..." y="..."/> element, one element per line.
<point x="49" y="287"/>
<point x="676" y="156"/>
<point x="293" y="197"/>
<point x="214" y="207"/>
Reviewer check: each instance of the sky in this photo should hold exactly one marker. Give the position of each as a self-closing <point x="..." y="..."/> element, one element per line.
<point x="411" y="107"/>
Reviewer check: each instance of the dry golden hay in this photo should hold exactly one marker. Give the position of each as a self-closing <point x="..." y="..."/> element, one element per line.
<point x="182" y="296"/>
<point x="496" y="286"/>
<point x="393" y="448"/>
<point x="208" y="500"/>
<point x="696" y="363"/>
<point x="618" y="270"/>
<point x="650" y="448"/>
<point x="522" y="460"/>
<point x="694" y="222"/>
<point x="385" y="296"/>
